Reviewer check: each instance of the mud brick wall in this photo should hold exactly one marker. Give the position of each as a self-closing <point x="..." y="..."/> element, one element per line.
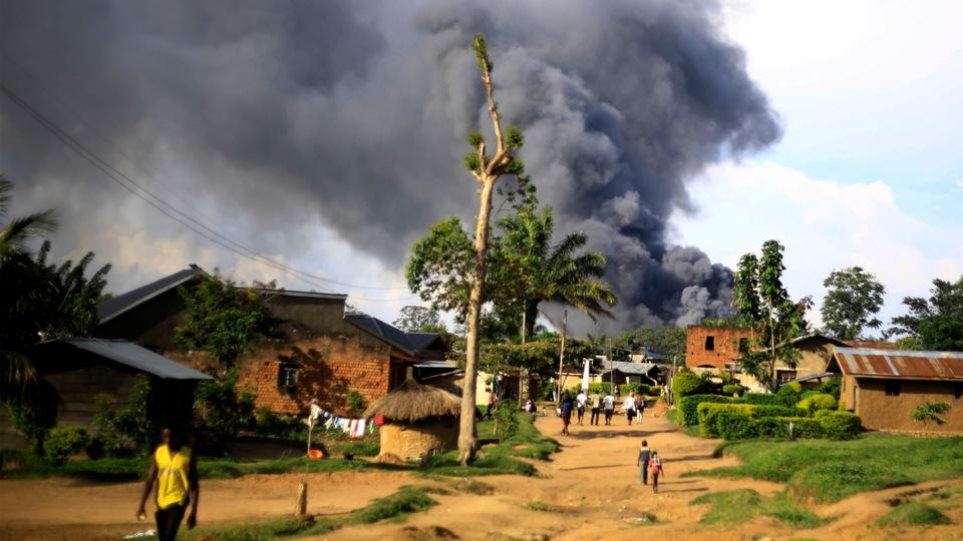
<point x="725" y="346"/>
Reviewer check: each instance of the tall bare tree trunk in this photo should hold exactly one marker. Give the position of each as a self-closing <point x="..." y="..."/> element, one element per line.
<point x="524" y="379"/>
<point x="561" y="358"/>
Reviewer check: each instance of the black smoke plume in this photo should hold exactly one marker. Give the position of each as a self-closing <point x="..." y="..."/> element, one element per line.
<point x="272" y="115"/>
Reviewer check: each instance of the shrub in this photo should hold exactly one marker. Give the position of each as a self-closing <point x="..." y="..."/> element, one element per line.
<point x="268" y="423"/>
<point x="506" y="421"/>
<point x="689" y="406"/>
<point x="804" y="427"/>
<point x="685" y="383"/>
<point x="63" y="441"/>
<point x="770" y="399"/>
<point x="601" y="388"/>
<point x="735" y="425"/>
<point x="730" y="390"/>
<point x="817" y="401"/>
<point x="123" y="429"/>
<point x="831" y="387"/>
<point x="221" y="409"/>
<point x="708" y="412"/>
<point x="771" y="427"/>
<point x="913" y="514"/>
<point x="839" y="425"/>
<point x="356" y="402"/>
<point x="930" y="411"/>
<point x="773" y="411"/>
<point x="33" y="416"/>
<point x="627" y="388"/>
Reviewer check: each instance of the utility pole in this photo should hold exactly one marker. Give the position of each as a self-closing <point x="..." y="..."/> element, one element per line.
<point x="561" y="356"/>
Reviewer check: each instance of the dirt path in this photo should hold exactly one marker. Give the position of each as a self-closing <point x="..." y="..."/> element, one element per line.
<point x="591" y="490"/>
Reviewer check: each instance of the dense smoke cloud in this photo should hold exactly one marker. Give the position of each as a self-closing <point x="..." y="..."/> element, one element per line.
<point x="356" y="114"/>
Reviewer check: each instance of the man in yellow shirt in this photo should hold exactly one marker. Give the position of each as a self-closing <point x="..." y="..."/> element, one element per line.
<point x="174" y="468"/>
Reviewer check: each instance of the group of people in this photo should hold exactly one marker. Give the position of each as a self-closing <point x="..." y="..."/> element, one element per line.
<point x="599" y="404"/>
<point x="650" y="465"/>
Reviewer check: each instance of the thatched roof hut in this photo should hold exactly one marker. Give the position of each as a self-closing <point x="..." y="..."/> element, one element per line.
<point x="418" y="419"/>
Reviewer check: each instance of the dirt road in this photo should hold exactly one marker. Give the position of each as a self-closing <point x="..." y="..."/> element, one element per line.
<point x="590" y="490"/>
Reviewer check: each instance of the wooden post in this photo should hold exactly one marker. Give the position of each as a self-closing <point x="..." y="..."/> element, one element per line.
<point x="561" y="358"/>
<point x="301" y="508"/>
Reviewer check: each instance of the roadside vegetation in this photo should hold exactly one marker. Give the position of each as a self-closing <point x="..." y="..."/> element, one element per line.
<point x="828" y="471"/>
<point x="737" y="506"/>
<point x="913" y="514"/>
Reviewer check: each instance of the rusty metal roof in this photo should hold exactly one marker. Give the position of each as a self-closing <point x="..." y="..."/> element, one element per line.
<point x="905" y="364"/>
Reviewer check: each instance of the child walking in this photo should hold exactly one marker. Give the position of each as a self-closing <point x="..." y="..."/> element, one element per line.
<point x="643" y="462"/>
<point x="655" y="469"/>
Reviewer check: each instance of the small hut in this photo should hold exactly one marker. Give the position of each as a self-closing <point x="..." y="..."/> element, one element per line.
<point x="418" y="419"/>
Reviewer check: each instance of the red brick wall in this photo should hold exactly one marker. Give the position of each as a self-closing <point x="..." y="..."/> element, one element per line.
<point x="726" y="348"/>
<point x="329" y="367"/>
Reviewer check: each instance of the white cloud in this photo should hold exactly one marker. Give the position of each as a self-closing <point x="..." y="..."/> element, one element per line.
<point x="825" y="225"/>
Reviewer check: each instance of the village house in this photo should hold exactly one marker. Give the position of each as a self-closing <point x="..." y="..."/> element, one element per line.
<point x="884" y="387"/>
<point x="320" y="352"/>
<point x="715" y="348"/>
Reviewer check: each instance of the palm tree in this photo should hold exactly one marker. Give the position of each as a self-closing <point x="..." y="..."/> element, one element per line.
<point x="539" y="272"/>
<point x="15" y="233"/>
<point x="16" y="371"/>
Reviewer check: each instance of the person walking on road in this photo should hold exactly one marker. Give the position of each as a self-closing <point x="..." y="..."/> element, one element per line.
<point x="608" y="404"/>
<point x="174" y="469"/>
<point x="595" y="401"/>
<point x="629" y="406"/>
<point x="643" y="462"/>
<point x="655" y="469"/>
<point x="580" y="402"/>
<point x="565" y="411"/>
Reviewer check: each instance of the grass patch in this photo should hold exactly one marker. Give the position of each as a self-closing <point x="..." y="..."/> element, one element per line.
<point x="396" y="507"/>
<point x="828" y="471"/>
<point x="738" y="506"/>
<point x="538" y="506"/>
<point x="913" y="514"/>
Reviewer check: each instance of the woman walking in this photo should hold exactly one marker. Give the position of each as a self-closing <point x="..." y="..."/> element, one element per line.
<point x="655" y="469"/>
<point x="629" y="407"/>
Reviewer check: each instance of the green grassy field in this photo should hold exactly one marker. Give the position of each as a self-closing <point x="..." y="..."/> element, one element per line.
<point x="828" y="471"/>
<point x="738" y="506"/>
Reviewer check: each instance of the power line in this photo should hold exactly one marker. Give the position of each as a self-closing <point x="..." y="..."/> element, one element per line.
<point x="170" y="210"/>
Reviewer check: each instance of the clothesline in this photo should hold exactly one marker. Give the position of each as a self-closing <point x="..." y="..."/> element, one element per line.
<point x="352" y="426"/>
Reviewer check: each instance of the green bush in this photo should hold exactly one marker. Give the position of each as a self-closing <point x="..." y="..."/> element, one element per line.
<point x="770" y="399"/>
<point x="688" y="406"/>
<point x="831" y="387"/>
<point x="274" y="425"/>
<point x="708" y="412"/>
<point x="63" y="441"/>
<point x="759" y="411"/>
<point x="506" y="421"/>
<point x="735" y="425"/>
<point x="804" y="427"/>
<point x="123" y="429"/>
<point x="600" y="388"/>
<point x="686" y="383"/>
<point x="771" y="427"/>
<point x="817" y="401"/>
<point x="221" y="409"/>
<point x="33" y="416"/>
<point x="913" y="514"/>
<point x="839" y="425"/>
<point x="730" y="390"/>
<point x="627" y="388"/>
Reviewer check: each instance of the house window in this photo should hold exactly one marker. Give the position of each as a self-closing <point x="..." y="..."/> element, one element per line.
<point x="288" y="376"/>
<point x="743" y="345"/>
<point x="892" y="388"/>
<point x="958" y="392"/>
<point x="710" y="343"/>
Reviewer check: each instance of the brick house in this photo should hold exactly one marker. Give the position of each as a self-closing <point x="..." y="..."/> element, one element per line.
<point x="715" y="348"/>
<point x="885" y="386"/>
<point x="320" y="352"/>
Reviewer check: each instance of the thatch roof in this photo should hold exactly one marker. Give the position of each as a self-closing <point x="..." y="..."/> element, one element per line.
<point x="412" y="401"/>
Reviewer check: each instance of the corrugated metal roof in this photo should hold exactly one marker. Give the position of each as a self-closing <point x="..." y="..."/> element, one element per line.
<point x="410" y="343"/>
<point x="893" y="363"/>
<point x="629" y="368"/>
<point x="130" y="354"/>
<point x="112" y="308"/>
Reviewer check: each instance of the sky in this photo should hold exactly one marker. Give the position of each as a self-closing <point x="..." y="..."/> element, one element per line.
<point x="869" y="171"/>
<point x="311" y="137"/>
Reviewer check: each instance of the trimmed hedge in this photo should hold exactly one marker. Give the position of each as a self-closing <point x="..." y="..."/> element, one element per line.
<point x="686" y="383"/>
<point x="63" y="441"/>
<point x="804" y="427"/>
<point x="770" y="399"/>
<point x="839" y="425"/>
<point x="735" y="425"/>
<point x="689" y="406"/>
<point x="708" y="414"/>
<point x="817" y="401"/>
<point x="733" y="390"/>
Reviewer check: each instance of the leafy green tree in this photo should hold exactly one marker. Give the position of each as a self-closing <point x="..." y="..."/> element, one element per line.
<point x="935" y="323"/>
<point x="763" y="302"/>
<point x="223" y="320"/>
<point x="418" y="319"/>
<point x="931" y="412"/>
<point x="17" y="232"/>
<point x="852" y="300"/>
<point x="667" y="340"/>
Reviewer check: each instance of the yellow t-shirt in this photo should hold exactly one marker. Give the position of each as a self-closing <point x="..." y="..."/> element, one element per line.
<point x="172" y="475"/>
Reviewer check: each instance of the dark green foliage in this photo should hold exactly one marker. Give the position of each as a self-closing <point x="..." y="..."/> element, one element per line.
<point x="761" y="411"/>
<point x="817" y="401"/>
<point x="667" y="340"/>
<point x="221" y="409"/>
<point x="831" y="387"/>
<point x="913" y="514"/>
<point x="414" y="318"/>
<point x="398" y="505"/>
<point x="223" y="320"/>
<point x="34" y="412"/>
<point x="271" y="424"/>
<point x="120" y="429"/>
<point x="471" y="161"/>
<point x="853" y="298"/>
<point x="356" y="402"/>
<point x="689" y="406"/>
<point x="804" y="427"/>
<point x="685" y="383"/>
<point x="771" y="428"/>
<point x="839" y="425"/>
<point x="832" y="481"/>
<point x="739" y="506"/>
<point x="61" y="442"/>
<point x="935" y="323"/>
<point x="475" y="138"/>
<point x="931" y="412"/>
<point x="735" y="425"/>
<point x="730" y="390"/>
<point x="506" y="420"/>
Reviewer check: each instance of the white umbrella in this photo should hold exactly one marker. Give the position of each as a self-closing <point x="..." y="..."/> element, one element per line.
<point x="585" y="374"/>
